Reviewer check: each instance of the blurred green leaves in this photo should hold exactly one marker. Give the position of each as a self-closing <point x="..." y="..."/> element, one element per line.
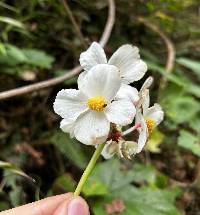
<point x="12" y="22"/>
<point x="38" y="58"/>
<point x="141" y="201"/>
<point x="190" y="142"/>
<point x="190" y="64"/>
<point x="180" y="109"/>
<point x="11" y="171"/>
<point x="70" y="148"/>
<point x="15" y="60"/>
<point x="13" y="56"/>
<point x="28" y="44"/>
<point x="180" y="103"/>
<point x="14" y="169"/>
<point x="114" y="181"/>
<point x="64" y="183"/>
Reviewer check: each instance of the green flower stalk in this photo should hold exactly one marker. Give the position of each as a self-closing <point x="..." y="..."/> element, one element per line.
<point x="89" y="169"/>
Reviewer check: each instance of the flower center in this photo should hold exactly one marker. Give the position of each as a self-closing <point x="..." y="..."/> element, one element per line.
<point x="150" y="124"/>
<point x="96" y="103"/>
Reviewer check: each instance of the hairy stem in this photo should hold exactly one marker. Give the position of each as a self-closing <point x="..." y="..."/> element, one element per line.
<point x="88" y="169"/>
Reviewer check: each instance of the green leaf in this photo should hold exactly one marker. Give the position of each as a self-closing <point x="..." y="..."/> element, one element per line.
<point x="109" y="176"/>
<point x="38" y="58"/>
<point x="4" y="206"/>
<point x="12" y="22"/>
<point x="71" y="148"/>
<point x="170" y="76"/>
<point x="16" y="194"/>
<point x="94" y="188"/>
<point x="189" y="142"/>
<point x="195" y="124"/>
<point x="193" y="89"/>
<point x="141" y="201"/>
<point x="144" y="173"/>
<point x="14" y="169"/>
<point x="191" y="64"/>
<point x="7" y="6"/>
<point x="65" y="183"/>
<point x="2" y="49"/>
<point x="180" y="109"/>
<point x="179" y="80"/>
<point x="14" y="55"/>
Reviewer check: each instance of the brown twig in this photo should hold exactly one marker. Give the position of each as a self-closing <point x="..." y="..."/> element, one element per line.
<point x="109" y="24"/>
<point x="170" y="50"/>
<point x="72" y="19"/>
<point x="73" y="72"/>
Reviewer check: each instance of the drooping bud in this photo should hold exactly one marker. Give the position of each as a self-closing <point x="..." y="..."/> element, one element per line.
<point x="128" y="149"/>
<point x="148" y="82"/>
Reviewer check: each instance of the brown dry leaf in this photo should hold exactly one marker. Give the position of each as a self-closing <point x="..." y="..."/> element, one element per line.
<point x="24" y="147"/>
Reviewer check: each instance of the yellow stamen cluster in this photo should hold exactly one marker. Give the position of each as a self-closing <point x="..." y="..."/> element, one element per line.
<point x="96" y="103"/>
<point x="150" y="124"/>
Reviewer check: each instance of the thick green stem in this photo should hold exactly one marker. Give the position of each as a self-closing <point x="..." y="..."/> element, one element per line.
<point x="88" y="169"/>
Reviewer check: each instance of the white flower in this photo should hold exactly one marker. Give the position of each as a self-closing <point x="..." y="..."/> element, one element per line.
<point x="148" y="119"/>
<point x="126" y="59"/>
<point x="153" y="115"/>
<point x="88" y="112"/>
<point x="142" y="130"/>
<point x="123" y="148"/>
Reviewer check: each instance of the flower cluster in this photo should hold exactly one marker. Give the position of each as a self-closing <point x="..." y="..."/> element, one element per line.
<point x="105" y="102"/>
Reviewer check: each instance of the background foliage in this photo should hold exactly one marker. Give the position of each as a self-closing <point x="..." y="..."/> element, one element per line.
<point x="37" y="42"/>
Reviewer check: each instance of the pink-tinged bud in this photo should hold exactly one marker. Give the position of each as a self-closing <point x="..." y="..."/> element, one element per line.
<point x="138" y="125"/>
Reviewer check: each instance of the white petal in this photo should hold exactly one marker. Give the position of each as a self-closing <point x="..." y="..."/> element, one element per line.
<point x="135" y="72"/>
<point x="143" y="132"/>
<point x="146" y="101"/>
<point x="101" y="80"/>
<point x="155" y="113"/>
<point x="68" y="126"/>
<point x="93" y="56"/>
<point x="92" y="128"/>
<point x="81" y="78"/>
<point x="148" y="82"/>
<point x="121" y="112"/>
<point x="127" y="59"/>
<point x="127" y="92"/>
<point x="70" y="103"/>
<point x="109" y="149"/>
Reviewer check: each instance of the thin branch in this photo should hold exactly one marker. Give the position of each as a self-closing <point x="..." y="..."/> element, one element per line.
<point x="109" y="24"/>
<point x="73" y="72"/>
<point x="40" y="85"/>
<point x="171" y="52"/>
<point x="76" y="27"/>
